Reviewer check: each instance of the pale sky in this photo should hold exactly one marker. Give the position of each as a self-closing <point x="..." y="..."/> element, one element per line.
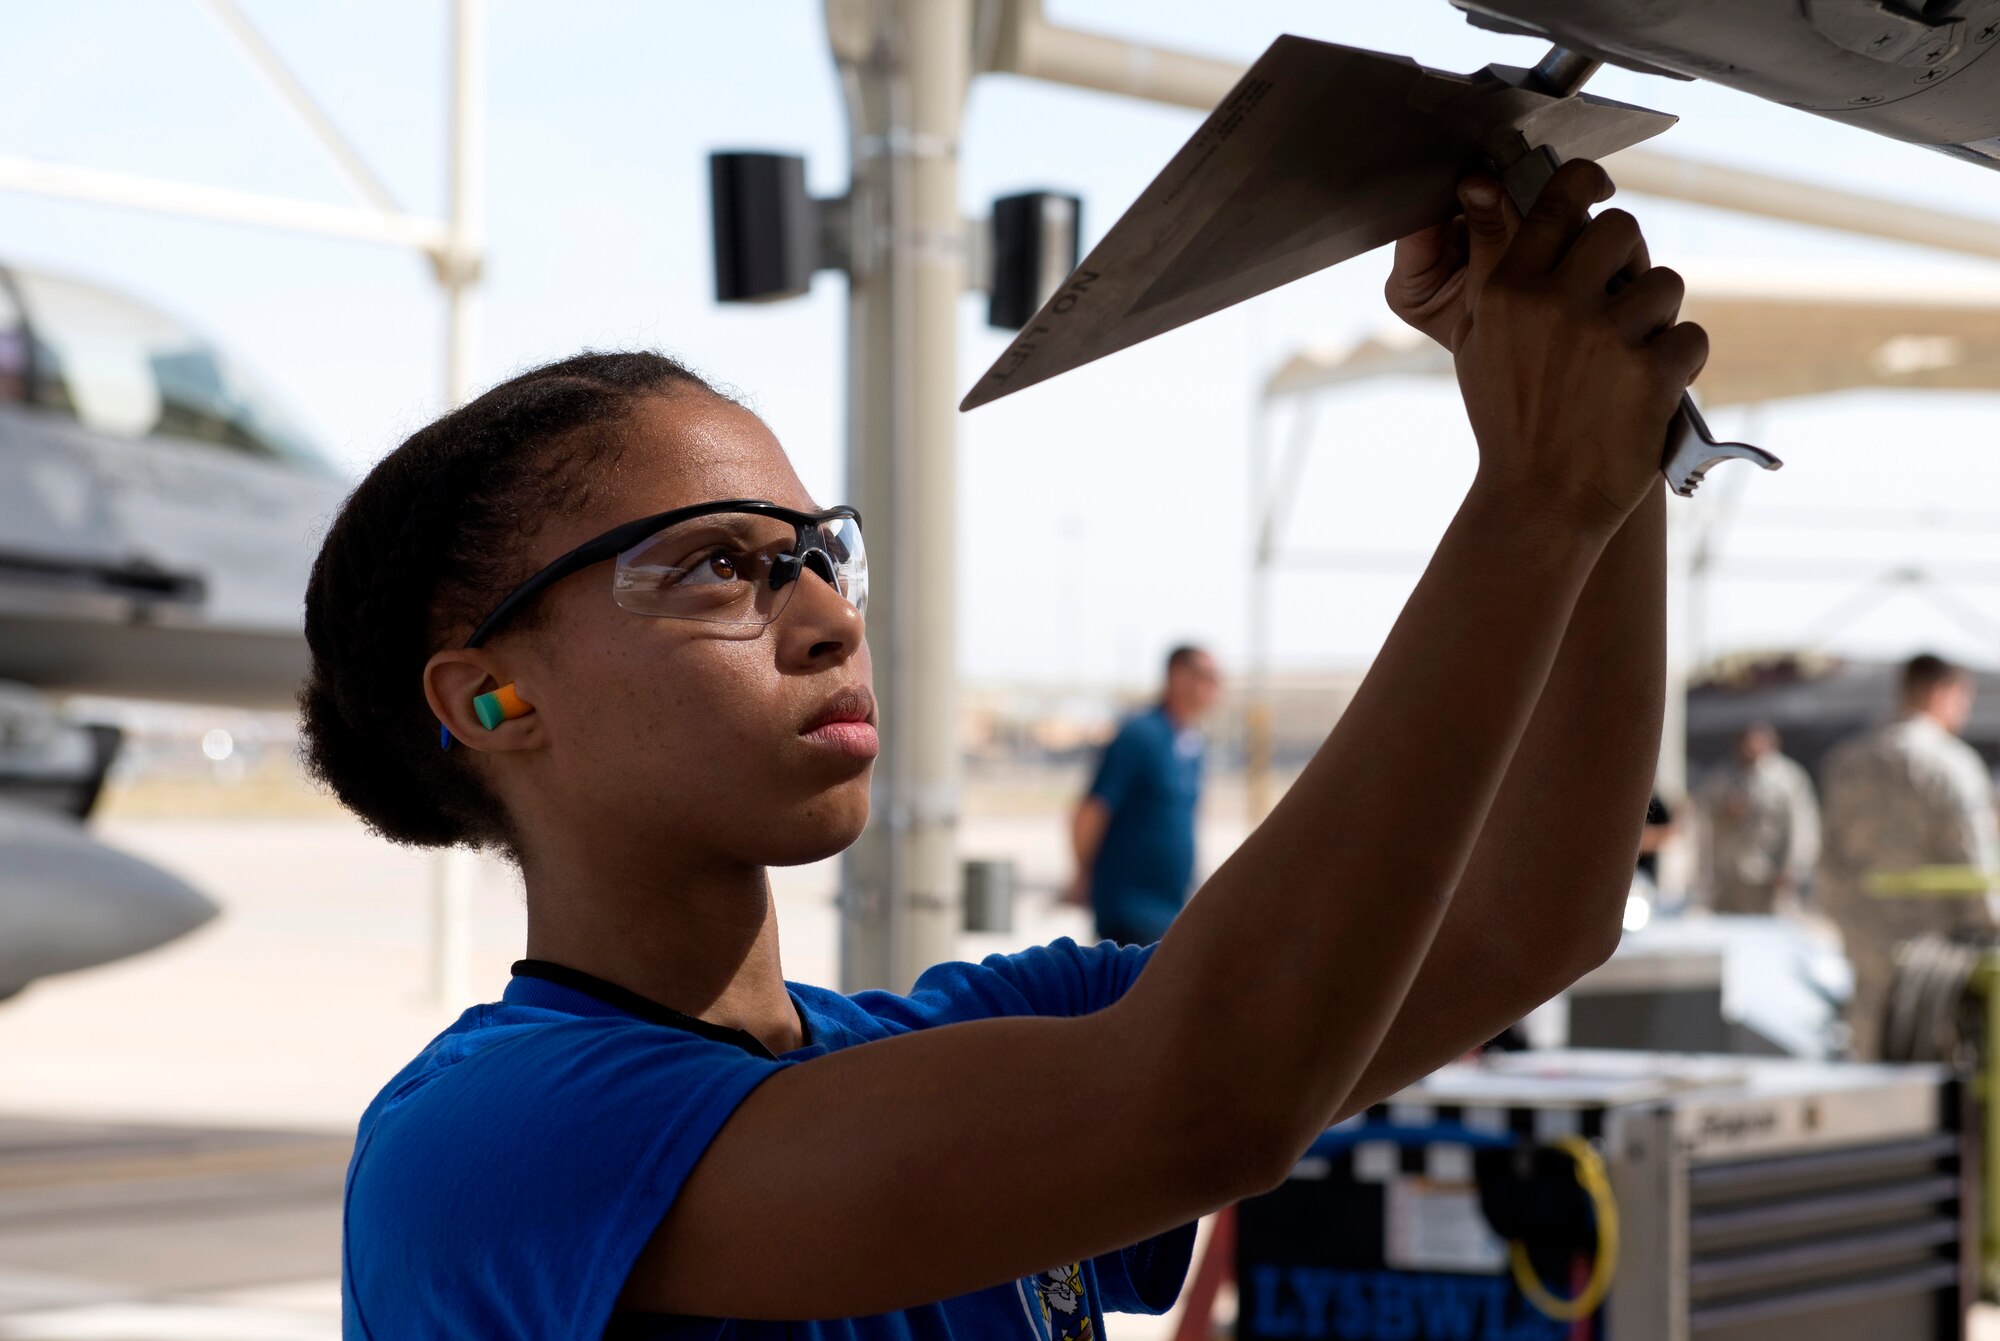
<point x="602" y="114"/>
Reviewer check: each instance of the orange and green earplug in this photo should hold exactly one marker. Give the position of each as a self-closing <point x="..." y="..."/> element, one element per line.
<point x="502" y="705"/>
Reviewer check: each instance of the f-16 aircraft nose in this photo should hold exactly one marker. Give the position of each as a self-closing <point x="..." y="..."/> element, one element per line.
<point x="69" y="902"/>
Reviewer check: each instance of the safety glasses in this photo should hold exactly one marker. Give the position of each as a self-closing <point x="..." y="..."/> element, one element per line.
<point x="736" y="562"/>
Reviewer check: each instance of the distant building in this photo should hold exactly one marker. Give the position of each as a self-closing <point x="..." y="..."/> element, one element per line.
<point x="1011" y="725"/>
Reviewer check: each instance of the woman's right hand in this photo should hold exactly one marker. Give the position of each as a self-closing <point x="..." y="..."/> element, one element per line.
<point x="1573" y="361"/>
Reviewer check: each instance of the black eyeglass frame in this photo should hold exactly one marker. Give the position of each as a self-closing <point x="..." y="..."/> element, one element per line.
<point x="618" y="539"/>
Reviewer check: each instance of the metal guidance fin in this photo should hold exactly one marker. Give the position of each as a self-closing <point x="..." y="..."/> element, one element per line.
<point x="1320" y="153"/>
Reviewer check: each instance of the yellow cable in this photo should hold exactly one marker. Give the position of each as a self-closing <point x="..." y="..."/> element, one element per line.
<point x="1597" y="1186"/>
<point x="1931" y="882"/>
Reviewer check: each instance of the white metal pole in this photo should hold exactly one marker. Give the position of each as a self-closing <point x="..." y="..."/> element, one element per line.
<point x="221" y="204"/>
<point x="1676" y="865"/>
<point x="906" y="66"/>
<point x="1258" y="738"/>
<point x="454" y="872"/>
<point x="458" y="266"/>
<point x="465" y="221"/>
<point x="854" y="29"/>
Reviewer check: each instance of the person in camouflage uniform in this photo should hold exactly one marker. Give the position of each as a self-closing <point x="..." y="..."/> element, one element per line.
<point x="1901" y="796"/>
<point x="1761" y="826"/>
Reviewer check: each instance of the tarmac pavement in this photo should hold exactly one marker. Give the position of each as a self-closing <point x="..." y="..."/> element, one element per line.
<point x="173" y="1129"/>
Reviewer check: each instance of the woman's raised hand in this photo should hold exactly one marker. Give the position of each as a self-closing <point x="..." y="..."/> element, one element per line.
<point x="1569" y="353"/>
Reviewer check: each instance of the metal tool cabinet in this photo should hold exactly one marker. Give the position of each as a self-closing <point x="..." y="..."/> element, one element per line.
<point x="1758" y="1198"/>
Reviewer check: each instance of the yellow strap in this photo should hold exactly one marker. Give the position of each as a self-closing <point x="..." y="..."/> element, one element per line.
<point x="1932" y="882"/>
<point x="1596" y="1184"/>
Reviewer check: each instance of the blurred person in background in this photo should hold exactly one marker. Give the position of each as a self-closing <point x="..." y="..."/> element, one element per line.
<point x="1761" y="823"/>
<point x="1905" y="795"/>
<point x="1133" y="832"/>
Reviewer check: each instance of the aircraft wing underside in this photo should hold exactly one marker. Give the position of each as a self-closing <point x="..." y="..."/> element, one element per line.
<point x="1921" y="72"/>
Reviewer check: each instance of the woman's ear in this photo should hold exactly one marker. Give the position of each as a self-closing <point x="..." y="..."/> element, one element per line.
<point x="455" y="680"/>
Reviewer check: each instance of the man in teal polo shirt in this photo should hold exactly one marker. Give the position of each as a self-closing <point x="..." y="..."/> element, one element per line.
<point x="1133" y="832"/>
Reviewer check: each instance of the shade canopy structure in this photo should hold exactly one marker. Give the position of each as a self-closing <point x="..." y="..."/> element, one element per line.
<point x="1773" y="334"/>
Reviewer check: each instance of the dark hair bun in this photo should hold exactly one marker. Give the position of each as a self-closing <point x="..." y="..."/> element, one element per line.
<point x="423" y="547"/>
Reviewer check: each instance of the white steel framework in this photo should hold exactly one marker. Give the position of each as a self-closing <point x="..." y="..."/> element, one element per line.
<point x="905" y="70"/>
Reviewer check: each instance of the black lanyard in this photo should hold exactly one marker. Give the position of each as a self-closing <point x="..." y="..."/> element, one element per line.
<point x="611" y="994"/>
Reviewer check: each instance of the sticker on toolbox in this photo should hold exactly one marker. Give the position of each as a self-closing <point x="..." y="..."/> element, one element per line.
<point x="1431" y="1226"/>
<point x="1321" y="1302"/>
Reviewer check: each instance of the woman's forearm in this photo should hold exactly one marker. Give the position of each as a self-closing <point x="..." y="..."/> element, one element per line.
<point x="1561" y="839"/>
<point x="1333" y="902"/>
<point x="1543" y="896"/>
<point x="1283" y="978"/>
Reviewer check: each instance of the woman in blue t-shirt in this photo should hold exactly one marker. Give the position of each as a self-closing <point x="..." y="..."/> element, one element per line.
<point x="592" y="620"/>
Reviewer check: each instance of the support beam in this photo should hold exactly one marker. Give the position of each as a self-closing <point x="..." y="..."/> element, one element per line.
<point x="1023" y="42"/>
<point x="1671" y="774"/>
<point x="905" y="66"/>
<point x="454" y="872"/>
<point x="265" y="59"/>
<point x="1260" y="786"/>
<point x="458" y="263"/>
<point x="218" y="204"/>
<point x="1768" y="196"/>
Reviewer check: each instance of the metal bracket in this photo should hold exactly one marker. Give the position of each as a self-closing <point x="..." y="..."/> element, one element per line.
<point x="1886" y="32"/>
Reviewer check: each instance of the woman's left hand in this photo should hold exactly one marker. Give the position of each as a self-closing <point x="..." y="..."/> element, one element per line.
<point x="1437" y="270"/>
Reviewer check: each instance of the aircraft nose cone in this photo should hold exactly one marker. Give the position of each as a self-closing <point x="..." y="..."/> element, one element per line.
<point x="68" y="902"/>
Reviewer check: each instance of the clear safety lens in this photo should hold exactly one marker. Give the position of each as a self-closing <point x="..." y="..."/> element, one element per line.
<point x="849" y="557"/>
<point x="719" y="568"/>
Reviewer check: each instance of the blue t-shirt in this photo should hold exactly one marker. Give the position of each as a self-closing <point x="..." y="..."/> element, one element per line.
<point x="1150" y="779"/>
<point x="504" y="1182"/>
